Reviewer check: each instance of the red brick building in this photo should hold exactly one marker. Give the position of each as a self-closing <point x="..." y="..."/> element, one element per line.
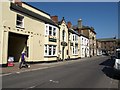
<point x="108" y="45"/>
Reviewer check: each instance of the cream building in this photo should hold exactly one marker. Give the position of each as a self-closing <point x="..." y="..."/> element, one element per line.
<point x="23" y="27"/>
<point x="74" y="43"/>
<point x="63" y="40"/>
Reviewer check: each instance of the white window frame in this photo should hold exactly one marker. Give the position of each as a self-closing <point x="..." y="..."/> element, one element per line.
<point x="46" y="46"/>
<point x="52" y="30"/>
<point x="22" y="21"/>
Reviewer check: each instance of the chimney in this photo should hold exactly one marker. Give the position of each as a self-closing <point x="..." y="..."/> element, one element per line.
<point x="18" y="2"/>
<point x="69" y="24"/>
<point x="55" y="18"/>
<point x="79" y="23"/>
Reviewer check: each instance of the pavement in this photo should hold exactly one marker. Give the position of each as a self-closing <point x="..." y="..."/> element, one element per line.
<point x="38" y="66"/>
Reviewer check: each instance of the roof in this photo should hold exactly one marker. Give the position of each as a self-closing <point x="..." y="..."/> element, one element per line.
<point x="107" y="39"/>
<point x="31" y="14"/>
<point x="84" y="35"/>
<point x="72" y="31"/>
<point x="36" y="8"/>
<point x="84" y="27"/>
<point x="60" y="22"/>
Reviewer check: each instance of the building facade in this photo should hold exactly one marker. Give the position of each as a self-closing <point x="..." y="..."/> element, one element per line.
<point x="74" y="43"/>
<point x="108" y="45"/>
<point x="98" y="47"/>
<point x="23" y="29"/>
<point x="90" y="33"/>
<point x="84" y="46"/>
<point x="63" y="40"/>
<point x="26" y="28"/>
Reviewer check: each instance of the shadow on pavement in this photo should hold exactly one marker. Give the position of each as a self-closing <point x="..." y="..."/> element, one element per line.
<point x="109" y="70"/>
<point x="111" y="73"/>
<point x="108" y="62"/>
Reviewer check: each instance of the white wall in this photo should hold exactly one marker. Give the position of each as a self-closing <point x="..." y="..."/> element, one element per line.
<point x="84" y="46"/>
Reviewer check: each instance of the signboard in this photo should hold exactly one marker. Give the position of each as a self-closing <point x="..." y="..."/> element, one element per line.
<point x="52" y="39"/>
<point x="10" y="61"/>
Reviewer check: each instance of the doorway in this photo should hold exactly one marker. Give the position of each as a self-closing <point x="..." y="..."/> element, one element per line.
<point x="16" y="44"/>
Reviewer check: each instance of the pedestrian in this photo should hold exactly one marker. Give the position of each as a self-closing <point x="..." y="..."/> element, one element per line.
<point x="23" y="62"/>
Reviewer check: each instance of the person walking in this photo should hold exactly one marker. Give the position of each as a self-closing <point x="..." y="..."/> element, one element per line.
<point x="23" y="62"/>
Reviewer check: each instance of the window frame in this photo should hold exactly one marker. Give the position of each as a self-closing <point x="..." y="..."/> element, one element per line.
<point x="20" y="21"/>
<point x="53" y="30"/>
<point x="48" y="47"/>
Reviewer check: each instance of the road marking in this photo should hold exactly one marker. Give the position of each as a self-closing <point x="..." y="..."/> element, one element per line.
<point x="5" y="74"/>
<point x="18" y="72"/>
<point x="54" y="81"/>
<point x="32" y="87"/>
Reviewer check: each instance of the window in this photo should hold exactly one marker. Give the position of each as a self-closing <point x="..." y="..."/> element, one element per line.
<point x="45" y="49"/>
<point x="73" y="37"/>
<point x="82" y="51"/>
<point x="46" y="31"/>
<point x="63" y="35"/>
<point x="50" y="30"/>
<point x="76" y="38"/>
<point x="54" y="49"/>
<point x="50" y="50"/>
<point x="54" y="31"/>
<point x="19" y="21"/>
<point x="75" y="50"/>
<point x="82" y="41"/>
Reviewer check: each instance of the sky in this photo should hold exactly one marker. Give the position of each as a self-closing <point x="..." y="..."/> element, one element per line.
<point x="103" y="16"/>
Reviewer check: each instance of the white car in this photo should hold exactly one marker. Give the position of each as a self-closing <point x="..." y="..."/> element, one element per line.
<point x="117" y="59"/>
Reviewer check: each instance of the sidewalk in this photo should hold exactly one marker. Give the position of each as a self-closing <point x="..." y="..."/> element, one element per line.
<point x="15" y="68"/>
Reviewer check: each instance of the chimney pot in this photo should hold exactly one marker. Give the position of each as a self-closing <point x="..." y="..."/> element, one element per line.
<point x="55" y="18"/>
<point x="69" y="24"/>
<point x="79" y="23"/>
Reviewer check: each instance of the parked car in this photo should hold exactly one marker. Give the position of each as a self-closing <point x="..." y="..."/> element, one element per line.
<point x="117" y="59"/>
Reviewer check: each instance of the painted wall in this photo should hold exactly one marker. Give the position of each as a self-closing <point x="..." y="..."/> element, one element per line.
<point x="63" y="27"/>
<point x="47" y="41"/>
<point x="72" y="45"/>
<point x="34" y="29"/>
<point x="84" y="46"/>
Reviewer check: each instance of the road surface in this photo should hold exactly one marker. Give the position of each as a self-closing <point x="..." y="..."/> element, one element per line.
<point x="91" y="73"/>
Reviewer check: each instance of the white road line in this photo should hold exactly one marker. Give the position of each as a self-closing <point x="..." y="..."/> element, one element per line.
<point x="32" y="87"/>
<point x="5" y="74"/>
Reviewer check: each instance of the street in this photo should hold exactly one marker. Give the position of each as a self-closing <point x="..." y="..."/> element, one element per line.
<point x="91" y="73"/>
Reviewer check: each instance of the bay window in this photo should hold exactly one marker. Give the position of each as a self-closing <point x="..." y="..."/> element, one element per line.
<point x="50" y="30"/>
